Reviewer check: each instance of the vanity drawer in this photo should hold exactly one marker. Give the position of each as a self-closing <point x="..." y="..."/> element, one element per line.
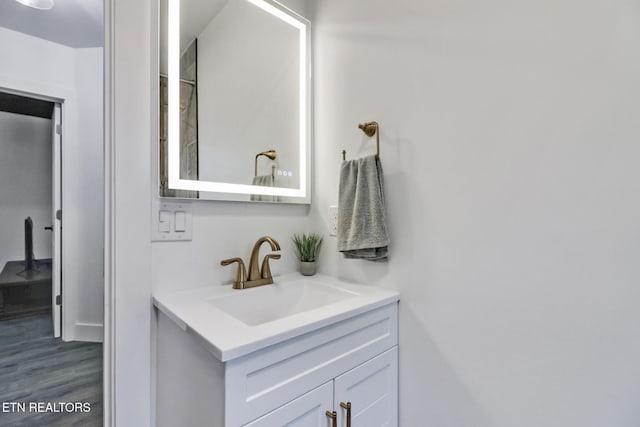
<point x="271" y="377"/>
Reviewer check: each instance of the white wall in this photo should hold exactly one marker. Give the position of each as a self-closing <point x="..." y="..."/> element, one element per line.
<point x="38" y="67"/>
<point x="510" y="146"/>
<point x="37" y="64"/>
<point x="85" y="207"/>
<point x="25" y="184"/>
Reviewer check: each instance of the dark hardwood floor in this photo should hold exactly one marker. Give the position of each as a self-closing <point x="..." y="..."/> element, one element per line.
<point x="35" y="367"/>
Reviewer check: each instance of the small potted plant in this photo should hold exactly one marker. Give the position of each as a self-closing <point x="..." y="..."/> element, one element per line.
<point x="307" y="247"/>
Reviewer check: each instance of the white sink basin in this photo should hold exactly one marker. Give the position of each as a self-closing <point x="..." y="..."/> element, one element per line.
<point x="267" y="303"/>
<point x="231" y="323"/>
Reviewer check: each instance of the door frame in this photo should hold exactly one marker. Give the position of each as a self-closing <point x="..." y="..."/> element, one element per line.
<point x="56" y="221"/>
<point x="58" y="101"/>
<point x="108" y="349"/>
<point x="64" y="98"/>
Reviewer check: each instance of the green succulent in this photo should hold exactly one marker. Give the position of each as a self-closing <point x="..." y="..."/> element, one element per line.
<point x="307" y="246"/>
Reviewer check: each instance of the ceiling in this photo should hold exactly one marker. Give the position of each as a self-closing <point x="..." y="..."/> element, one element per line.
<point x="75" y="23"/>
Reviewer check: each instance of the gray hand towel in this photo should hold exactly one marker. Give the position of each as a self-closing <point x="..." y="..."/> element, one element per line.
<point x="265" y="181"/>
<point x="362" y="227"/>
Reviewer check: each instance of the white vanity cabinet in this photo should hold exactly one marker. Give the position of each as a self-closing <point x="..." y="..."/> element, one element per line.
<point x="308" y="410"/>
<point x="371" y="389"/>
<point x="293" y="382"/>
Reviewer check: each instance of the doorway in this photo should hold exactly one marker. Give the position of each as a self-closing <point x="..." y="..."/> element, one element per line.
<point x="43" y="379"/>
<point x="29" y="194"/>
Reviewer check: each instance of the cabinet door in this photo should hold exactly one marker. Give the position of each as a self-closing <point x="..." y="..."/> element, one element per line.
<point x="307" y="410"/>
<point x="372" y="389"/>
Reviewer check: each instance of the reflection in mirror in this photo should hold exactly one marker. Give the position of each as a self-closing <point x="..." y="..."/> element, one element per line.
<point x="234" y="101"/>
<point x="188" y="124"/>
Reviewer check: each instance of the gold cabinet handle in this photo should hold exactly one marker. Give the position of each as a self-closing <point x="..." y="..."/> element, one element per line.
<point x="334" y="416"/>
<point x="347" y="406"/>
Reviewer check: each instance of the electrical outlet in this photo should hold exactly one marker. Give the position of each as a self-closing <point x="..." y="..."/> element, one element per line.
<point x="333" y="220"/>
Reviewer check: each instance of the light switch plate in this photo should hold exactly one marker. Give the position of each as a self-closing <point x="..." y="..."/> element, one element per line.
<point x="181" y="222"/>
<point x="164" y="222"/>
<point x="333" y="220"/>
<point x="169" y="211"/>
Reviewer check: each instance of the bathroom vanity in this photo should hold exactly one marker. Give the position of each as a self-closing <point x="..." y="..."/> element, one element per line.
<point x="301" y="352"/>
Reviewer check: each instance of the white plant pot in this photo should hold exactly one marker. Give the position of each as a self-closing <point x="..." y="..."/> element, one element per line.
<point x="308" y="268"/>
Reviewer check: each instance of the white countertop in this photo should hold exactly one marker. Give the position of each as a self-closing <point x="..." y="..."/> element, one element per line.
<point x="226" y="337"/>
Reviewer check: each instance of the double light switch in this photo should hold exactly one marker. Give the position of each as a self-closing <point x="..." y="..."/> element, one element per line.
<point x="173" y="222"/>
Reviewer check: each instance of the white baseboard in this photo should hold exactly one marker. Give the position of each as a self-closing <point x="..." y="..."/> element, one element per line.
<point x="88" y="332"/>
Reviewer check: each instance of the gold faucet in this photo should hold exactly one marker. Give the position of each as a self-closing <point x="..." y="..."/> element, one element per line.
<point x="257" y="276"/>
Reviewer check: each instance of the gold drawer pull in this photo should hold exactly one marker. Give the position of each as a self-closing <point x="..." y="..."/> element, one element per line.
<point x="334" y="416"/>
<point x="347" y="406"/>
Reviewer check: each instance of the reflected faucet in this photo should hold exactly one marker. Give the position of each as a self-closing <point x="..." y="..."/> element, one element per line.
<point x="257" y="276"/>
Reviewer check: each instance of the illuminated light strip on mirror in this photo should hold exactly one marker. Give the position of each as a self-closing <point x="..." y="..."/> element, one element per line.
<point x="173" y="88"/>
<point x="38" y="4"/>
<point x="173" y="56"/>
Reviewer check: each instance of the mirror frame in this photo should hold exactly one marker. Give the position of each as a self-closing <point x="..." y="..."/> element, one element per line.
<point x="229" y="191"/>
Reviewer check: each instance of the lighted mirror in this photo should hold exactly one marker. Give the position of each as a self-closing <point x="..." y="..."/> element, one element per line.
<point x="235" y="103"/>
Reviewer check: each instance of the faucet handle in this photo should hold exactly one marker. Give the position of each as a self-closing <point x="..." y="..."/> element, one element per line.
<point x="266" y="270"/>
<point x="241" y="273"/>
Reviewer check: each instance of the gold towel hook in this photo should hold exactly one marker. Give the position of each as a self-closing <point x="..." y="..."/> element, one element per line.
<point x="369" y="129"/>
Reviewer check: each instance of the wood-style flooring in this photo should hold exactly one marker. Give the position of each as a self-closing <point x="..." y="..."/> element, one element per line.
<point x="35" y="367"/>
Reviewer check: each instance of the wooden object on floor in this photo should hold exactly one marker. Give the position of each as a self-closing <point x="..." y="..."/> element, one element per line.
<point x="36" y="289"/>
